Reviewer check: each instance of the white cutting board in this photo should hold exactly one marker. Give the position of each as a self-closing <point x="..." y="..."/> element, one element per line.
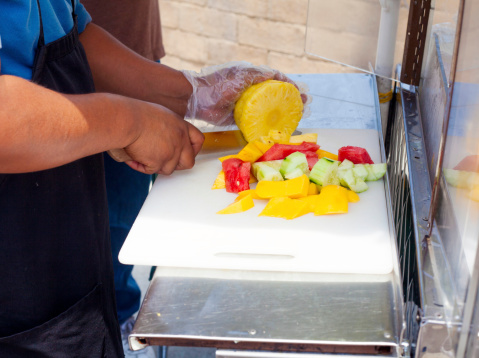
<point x="178" y="225"/>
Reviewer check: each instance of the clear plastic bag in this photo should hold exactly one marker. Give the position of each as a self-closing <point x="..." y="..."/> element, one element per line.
<point x="217" y="88"/>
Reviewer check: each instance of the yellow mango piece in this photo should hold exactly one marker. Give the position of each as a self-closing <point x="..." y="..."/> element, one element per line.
<point x="263" y="147"/>
<point x="222" y="159"/>
<point x="219" y="181"/>
<point x="286" y="208"/>
<point x="278" y="136"/>
<point x="297" y="187"/>
<point x="250" y="153"/>
<point x="243" y="193"/>
<point x="313" y="189"/>
<point x="252" y="179"/>
<point x="331" y="208"/>
<point x="239" y="206"/>
<point x="293" y="188"/>
<point x="323" y="153"/>
<point x="312" y="201"/>
<point x="331" y="200"/>
<point x="351" y="195"/>
<point x="307" y="137"/>
<point x="269" y="189"/>
<point x="334" y="190"/>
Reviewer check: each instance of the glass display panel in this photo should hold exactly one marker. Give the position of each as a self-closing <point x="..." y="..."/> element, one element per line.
<point x="443" y="31"/>
<point x="458" y="206"/>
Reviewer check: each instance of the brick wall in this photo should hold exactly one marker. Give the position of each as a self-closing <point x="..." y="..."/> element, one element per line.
<point x="198" y="33"/>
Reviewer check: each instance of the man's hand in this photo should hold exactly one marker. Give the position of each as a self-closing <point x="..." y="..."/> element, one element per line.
<point x="165" y="141"/>
<point x="42" y="129"/>
<point x="217" y="88"/>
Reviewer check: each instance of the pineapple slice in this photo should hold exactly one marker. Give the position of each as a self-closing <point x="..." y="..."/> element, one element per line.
<point x="219" y="181"/>
<point x="300" y="138"/>
<point x="266" y="140"/>
<point x="244" y="99"/>
<point x="279" y="136"/>
<point x="270" y="105"/>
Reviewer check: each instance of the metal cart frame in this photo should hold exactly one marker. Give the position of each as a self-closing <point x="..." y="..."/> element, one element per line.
<point x="427" y="306"/>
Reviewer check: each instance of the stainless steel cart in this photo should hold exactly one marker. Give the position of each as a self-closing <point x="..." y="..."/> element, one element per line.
<point x="427" y="305"/>
<point x="284" y="311"/>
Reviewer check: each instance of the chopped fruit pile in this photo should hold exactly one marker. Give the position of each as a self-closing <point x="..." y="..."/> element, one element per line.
<point x="296" y="176"/>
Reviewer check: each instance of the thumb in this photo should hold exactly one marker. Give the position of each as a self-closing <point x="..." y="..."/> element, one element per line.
<point x="196" y="138"/>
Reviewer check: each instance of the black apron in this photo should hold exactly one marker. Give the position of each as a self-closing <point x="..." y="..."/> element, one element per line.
<point x="56" y="276"/>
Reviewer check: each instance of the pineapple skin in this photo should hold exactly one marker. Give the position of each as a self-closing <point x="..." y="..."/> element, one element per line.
<point x="270" y="105"/>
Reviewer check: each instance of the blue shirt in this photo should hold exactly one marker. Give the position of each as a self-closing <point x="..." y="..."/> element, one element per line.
<point x="20" y="30"/>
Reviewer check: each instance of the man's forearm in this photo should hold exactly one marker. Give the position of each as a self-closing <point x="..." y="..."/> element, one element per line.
<point x="41" y="129"/>
<point x="116" y="69"/>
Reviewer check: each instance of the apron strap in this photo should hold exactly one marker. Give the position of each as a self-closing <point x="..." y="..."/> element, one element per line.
<point x="41" y="51"/>
<point x="73" y="9"/>
<point x="41" y="38"/>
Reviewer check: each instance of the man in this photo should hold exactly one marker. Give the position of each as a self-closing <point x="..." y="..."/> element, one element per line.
<point x="57" y="297"/>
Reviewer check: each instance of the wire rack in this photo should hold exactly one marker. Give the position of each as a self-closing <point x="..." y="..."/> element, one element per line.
<point x="405" y="153"/>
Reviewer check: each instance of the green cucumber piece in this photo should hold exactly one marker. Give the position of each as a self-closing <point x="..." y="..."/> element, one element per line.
<point x="349" y="180"/>
<point x="293" y="164"/>
<point x="333" y="178"/>
<point x="264" y="171"/>
<point x="361" y="171"/>
<point x="275" y="164"/>
<point x="294" y="173"/>
<point x="370" y="172"/>
<point x="346" y="164"/>
<point x="325" y="172"/>
<point x="376" y="171"/>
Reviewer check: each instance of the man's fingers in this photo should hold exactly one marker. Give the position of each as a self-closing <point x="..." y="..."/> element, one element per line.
<point x="238" y="81"/>
<point x="196" y="138"/>
<point x="170" y="166"/>
<point x="136" y="166"/>
<point x="259" y="77"/>
<point x="304" y="98"/>
<point x="189" y="152"/>
<point x="282" y="77"/>
<point x="187" y="158"/>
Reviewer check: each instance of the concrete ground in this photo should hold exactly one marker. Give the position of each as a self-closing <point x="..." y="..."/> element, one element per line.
<point x="141" y="275"/>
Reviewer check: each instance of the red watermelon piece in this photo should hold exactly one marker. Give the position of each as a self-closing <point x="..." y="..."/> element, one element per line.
<point x="357" y="155"/>
<point x="281" y="151"/>
<point x="469" y="164"/>
<point x="237" y="175"/>
<point x="312" y="159"/>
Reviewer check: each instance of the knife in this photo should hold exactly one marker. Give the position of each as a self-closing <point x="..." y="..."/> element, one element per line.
<point x="215" y="142"/>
